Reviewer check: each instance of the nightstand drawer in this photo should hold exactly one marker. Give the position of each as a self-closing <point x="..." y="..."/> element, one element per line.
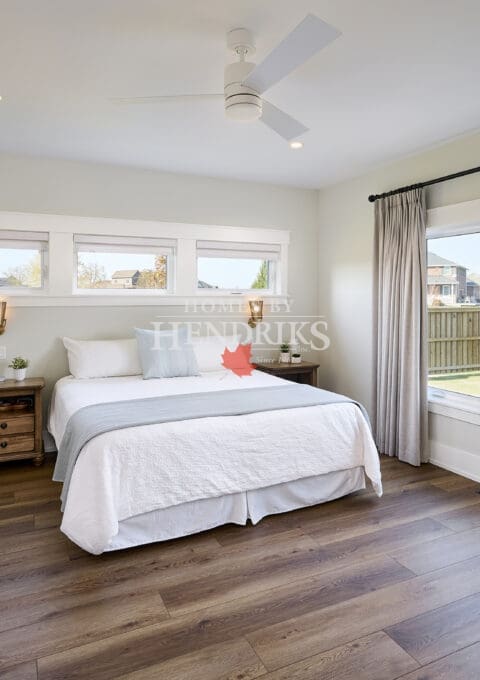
<point x="16" y="425"/>
<point x="17" y="444"/>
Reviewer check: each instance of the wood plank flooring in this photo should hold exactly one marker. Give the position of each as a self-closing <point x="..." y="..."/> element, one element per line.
<point x="357" y="589"/>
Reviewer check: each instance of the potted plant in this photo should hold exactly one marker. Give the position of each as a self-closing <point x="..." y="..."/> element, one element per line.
<point x="284" y="353"/>
<point x="19" y="365"/>
<point x="296" y="358"/>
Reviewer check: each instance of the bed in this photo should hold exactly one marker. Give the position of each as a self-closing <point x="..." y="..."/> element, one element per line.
<point x="159" y="481"/>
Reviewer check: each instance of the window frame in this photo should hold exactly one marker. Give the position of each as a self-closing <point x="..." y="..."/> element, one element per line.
<point x="20" y="240"/>
<point x="110" y="244"/>
<point x="449" y="221"/>
<point x="272" y="253"/>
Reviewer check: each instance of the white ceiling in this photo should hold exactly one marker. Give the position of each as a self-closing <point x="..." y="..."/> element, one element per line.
<point x="402" y="77"/>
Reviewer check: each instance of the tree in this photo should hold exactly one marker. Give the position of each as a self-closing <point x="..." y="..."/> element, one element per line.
<point x="154" y="278"/>
<point x="261" y="280"/>
<point x="90" y="275"/>
<point x="28" y="274"/>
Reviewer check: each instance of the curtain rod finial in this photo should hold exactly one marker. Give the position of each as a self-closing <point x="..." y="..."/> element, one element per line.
<point x="372" y="198"/>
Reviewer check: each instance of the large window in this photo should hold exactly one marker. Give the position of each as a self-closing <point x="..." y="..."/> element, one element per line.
<point x="123" y="264"/>
<point x="454" y="313"/>
<point x="237" y="267"/>
<point x="23" y="259"/>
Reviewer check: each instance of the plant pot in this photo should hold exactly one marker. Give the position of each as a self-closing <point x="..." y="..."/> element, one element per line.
<point x="19" y="374"/>
<point x="296" y="360"/>
<point x="284" y="357"/>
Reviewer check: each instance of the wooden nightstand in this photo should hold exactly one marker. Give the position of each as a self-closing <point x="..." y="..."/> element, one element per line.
<point x="305" y="373"/>
<point x="21" y="429"/>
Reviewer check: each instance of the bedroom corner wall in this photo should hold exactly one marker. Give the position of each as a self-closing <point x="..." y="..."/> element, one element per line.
<point x="29" y="184"/>
<point x="345" y="281"/>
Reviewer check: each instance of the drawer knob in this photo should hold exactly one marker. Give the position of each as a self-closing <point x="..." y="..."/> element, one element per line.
<point x="4" y="426"/>
<point x="4" y="445"/>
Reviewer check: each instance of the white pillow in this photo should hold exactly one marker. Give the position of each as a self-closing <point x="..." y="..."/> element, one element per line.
<point x="209" y="349"/>
<point x="102" y="358"/>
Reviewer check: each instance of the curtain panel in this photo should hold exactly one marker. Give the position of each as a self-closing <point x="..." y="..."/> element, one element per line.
<point x="401" y="417"/>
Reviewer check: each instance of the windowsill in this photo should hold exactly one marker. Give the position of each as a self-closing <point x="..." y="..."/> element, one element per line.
<point x="141" y="300"/>
<point x="454" y="405"/>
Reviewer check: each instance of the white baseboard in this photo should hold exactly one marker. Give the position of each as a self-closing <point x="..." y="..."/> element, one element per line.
<point x="461" y="462"/>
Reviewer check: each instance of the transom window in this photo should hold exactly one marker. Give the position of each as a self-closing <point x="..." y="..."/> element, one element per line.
<point x="238" y="267"/>
<point x="23" y="261"/>
<point x="123" y="264"/>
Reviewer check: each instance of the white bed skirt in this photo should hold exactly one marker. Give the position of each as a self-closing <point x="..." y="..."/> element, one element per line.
<point x="196" y="516"/>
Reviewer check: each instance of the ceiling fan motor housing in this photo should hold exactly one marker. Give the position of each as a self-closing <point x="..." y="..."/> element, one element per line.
<point x="241" y="102"/>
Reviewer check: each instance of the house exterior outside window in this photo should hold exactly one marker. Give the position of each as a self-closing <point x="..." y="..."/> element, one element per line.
<point x="447" y="282"/>
<point x="125" y="278"/>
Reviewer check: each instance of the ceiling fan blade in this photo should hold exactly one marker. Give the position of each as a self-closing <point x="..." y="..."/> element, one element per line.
<point x="283" y="124"/>
<point x="162" y="98"/>
<point x="309" y="37"/>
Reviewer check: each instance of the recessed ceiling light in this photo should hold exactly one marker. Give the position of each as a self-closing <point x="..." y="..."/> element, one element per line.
<point x="296" y="145"/>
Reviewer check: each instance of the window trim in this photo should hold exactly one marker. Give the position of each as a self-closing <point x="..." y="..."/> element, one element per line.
<point x="459" y="219"/>
<point x="119" y="244"/>
<point x="454" y="405"/>
<point x="231" y="250"/>
<point x="61" y="229"/>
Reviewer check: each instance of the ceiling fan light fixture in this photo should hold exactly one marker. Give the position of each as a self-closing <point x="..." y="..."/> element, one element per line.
<point x="245" y="82"/>
<point x="243" y="107"/>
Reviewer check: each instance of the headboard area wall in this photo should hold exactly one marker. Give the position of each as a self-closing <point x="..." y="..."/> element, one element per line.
<point x="59" y="187"/>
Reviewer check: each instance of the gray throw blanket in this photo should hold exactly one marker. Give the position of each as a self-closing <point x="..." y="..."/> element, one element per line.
<point x="92" y="421"/>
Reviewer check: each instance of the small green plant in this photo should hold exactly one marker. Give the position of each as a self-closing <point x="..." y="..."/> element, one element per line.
<point x="284" y="347"/>
<point x="18" y="363"/>
<point x="296" y="355"/>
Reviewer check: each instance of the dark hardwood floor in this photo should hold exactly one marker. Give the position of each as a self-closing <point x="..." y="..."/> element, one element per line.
<point x="358" y="589"/>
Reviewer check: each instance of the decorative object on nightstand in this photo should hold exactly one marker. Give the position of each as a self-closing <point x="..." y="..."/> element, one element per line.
<point x="296" y="358"/>
<point x="21" y="420"/>
<point x="305" y="372"/>
<point x="19" y="366"/>
<point x="285" y="353"/>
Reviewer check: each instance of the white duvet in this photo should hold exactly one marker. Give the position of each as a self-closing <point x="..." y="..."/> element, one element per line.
<point x="136" y="470"/>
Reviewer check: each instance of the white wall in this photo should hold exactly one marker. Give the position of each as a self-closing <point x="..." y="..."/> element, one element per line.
<point x="346" y="268"/>
<point x="30" y="184"/>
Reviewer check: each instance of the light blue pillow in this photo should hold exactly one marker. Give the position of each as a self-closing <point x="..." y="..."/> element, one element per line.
<point x="165" y="354"/>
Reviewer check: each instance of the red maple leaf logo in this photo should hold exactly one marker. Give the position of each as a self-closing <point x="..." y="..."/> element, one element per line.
<point x="238" y="361"/>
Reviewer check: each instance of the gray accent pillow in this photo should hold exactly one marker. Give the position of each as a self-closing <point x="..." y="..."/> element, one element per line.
<point x="165" y="354"/>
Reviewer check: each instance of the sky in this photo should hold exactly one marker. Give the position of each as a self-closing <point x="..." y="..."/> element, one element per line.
<point x="13" y="258"/>
<point x="228" y="272"/>
<point x="464" y="250"/>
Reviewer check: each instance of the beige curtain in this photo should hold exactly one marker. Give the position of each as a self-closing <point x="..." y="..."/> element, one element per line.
<point x="401" y="327"/>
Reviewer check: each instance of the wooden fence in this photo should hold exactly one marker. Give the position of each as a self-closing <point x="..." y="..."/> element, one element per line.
<point x="453" y="339"/>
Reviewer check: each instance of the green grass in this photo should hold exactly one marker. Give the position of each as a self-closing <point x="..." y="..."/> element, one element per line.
<point x="466" y="383"/>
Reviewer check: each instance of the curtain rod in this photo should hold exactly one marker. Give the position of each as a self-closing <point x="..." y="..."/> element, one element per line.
<point x="420" y="185"/>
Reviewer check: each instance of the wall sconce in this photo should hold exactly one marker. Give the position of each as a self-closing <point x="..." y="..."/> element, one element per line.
<point x="3" y="320"/>
<point x="256" y="312"/>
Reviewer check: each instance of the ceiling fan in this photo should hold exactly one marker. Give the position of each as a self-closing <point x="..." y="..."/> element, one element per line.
<point x="245" y="81"/>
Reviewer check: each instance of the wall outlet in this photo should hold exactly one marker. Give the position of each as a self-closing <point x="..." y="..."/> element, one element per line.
<point x="3" y="352"/>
